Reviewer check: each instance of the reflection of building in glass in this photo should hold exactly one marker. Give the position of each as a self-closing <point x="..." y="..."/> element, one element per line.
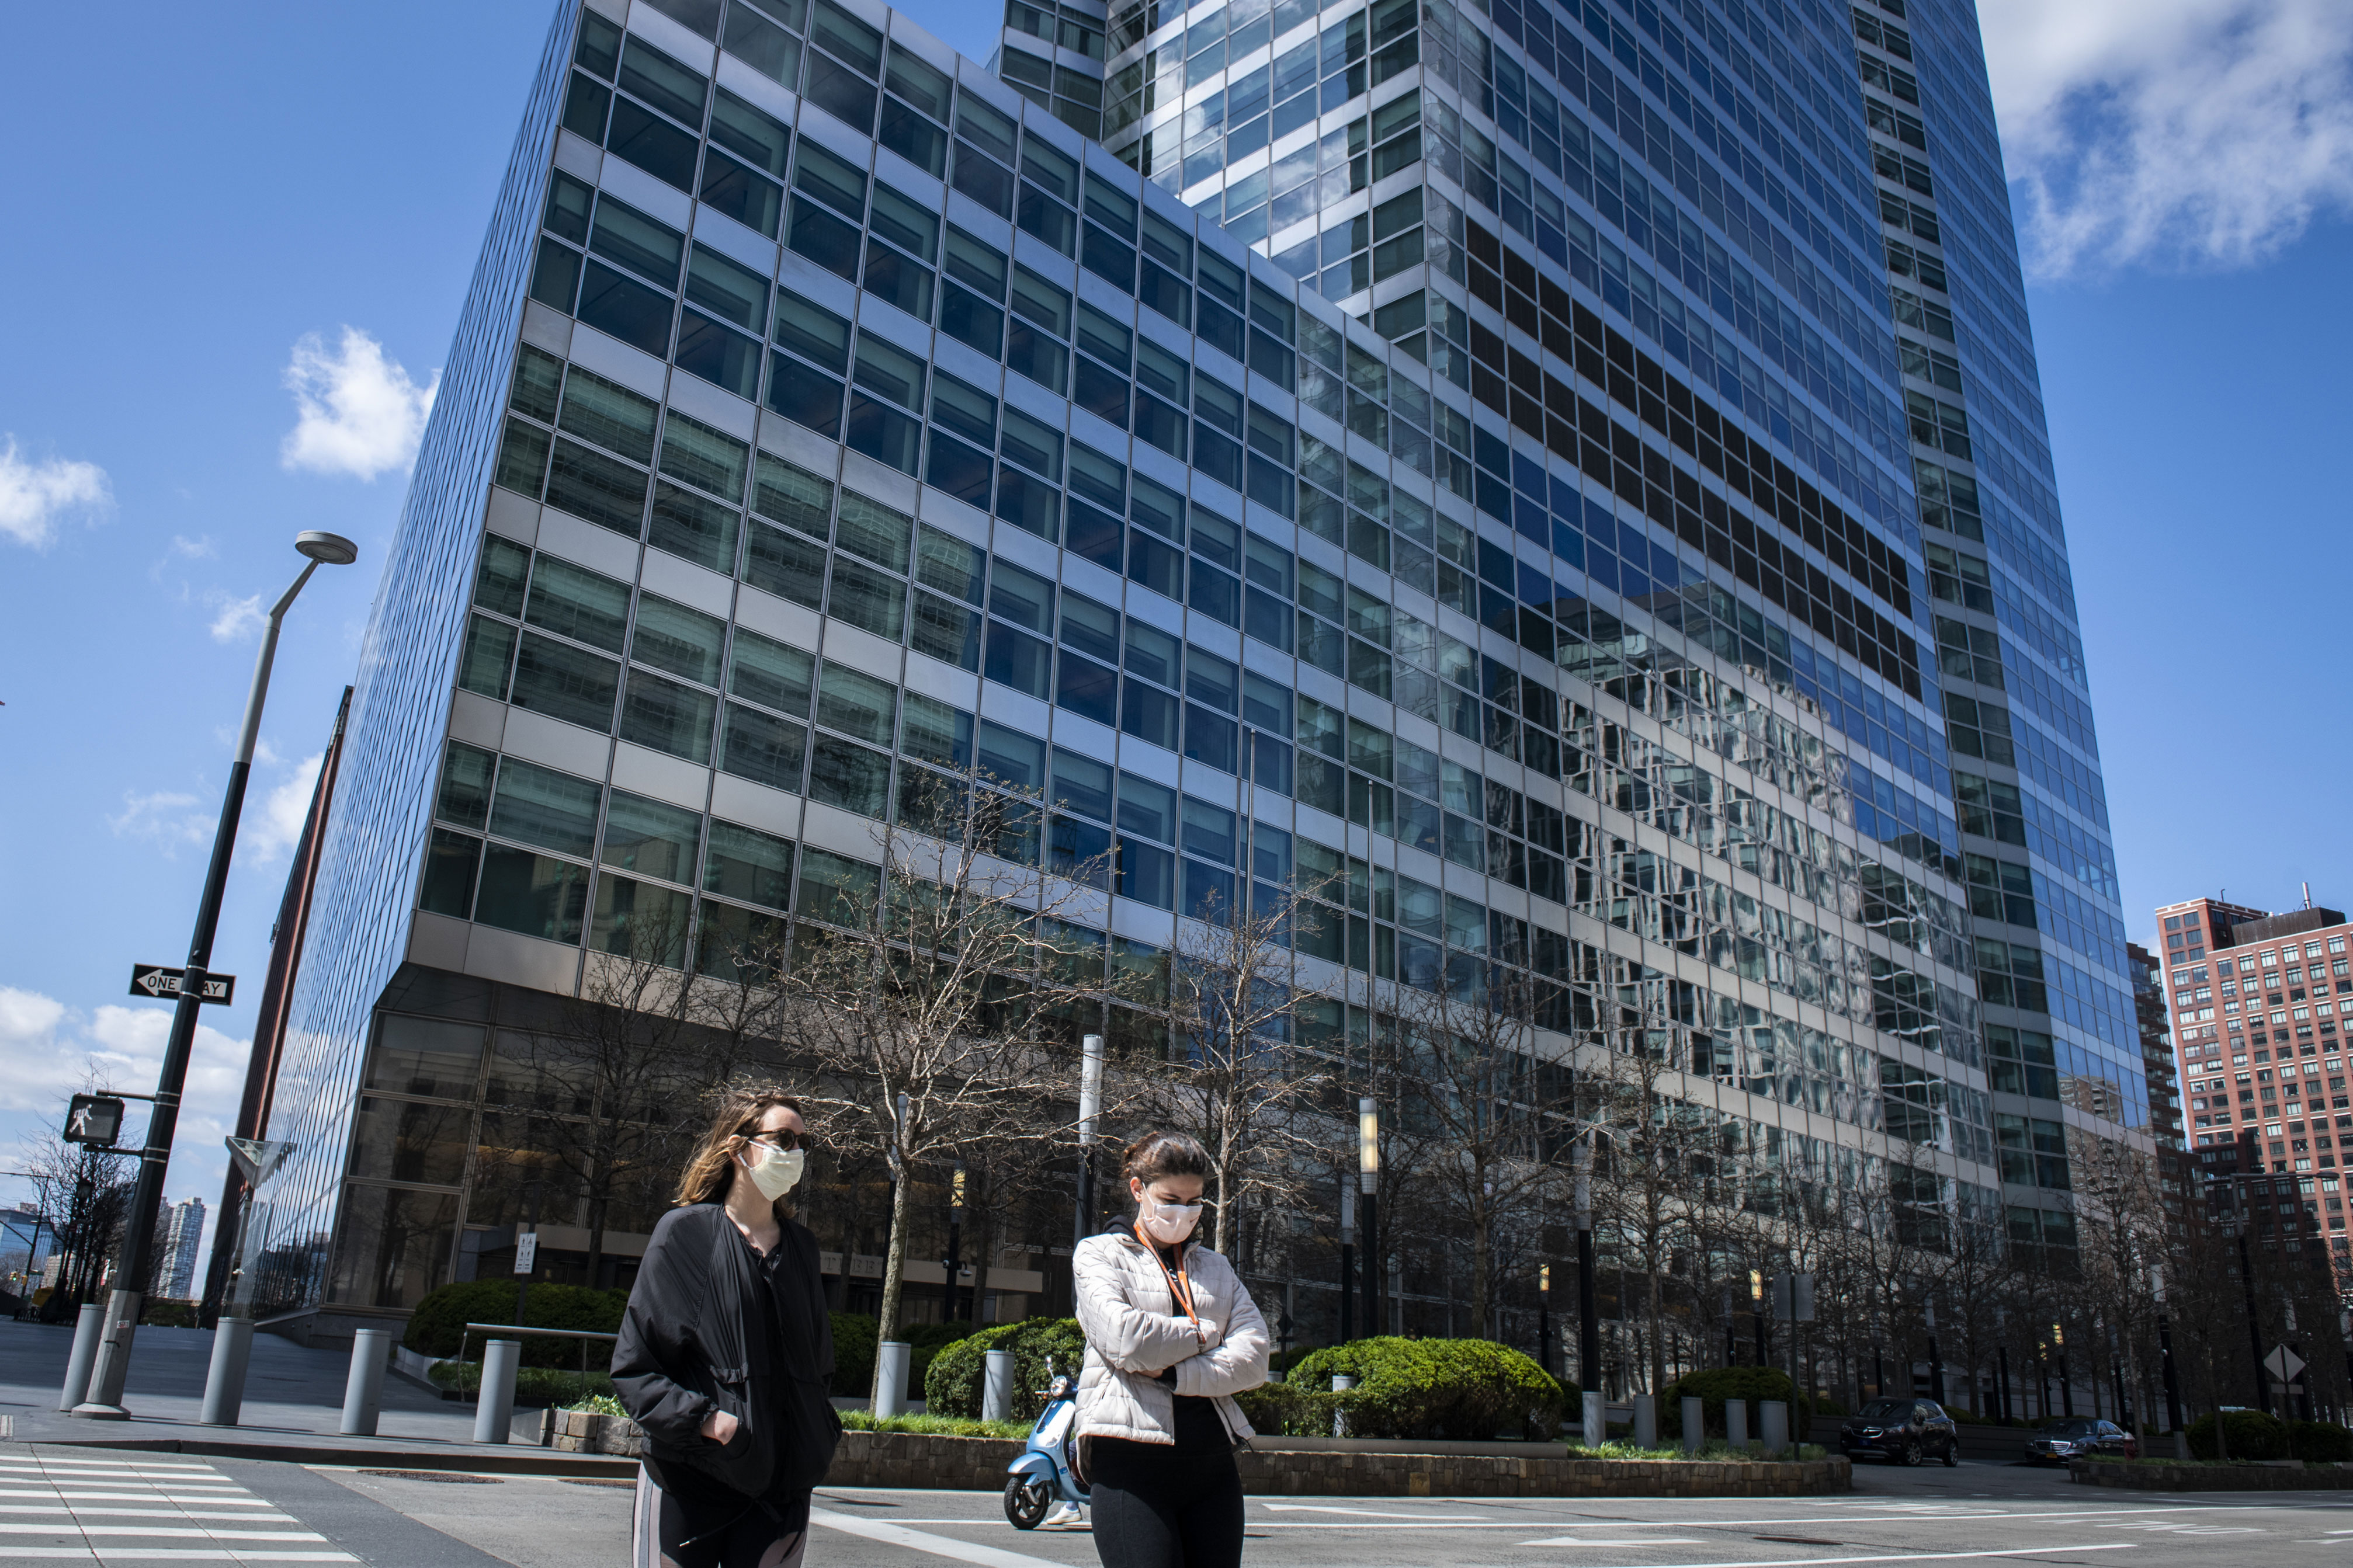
<point x="2262" y="1010"/>
<point x="2165" y="1104"/>
<point x="1547" y="469"/>
<point x="179" y="1231"/>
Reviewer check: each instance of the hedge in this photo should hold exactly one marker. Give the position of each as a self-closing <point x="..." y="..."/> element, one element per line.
<point x="1467" y="1389"/>
<point x="1717" y="1385"/>
<point x="2320" y="1442"/>
<point x="853" y="1355"/>
<point x="1042" y="1347"/>
<point x="2253" y="1434"/>
<point x="534" y="1386"/>
<point x="438" y="1321"/>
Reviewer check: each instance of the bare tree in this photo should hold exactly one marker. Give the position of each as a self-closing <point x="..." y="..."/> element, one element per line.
<point x="1495" y="1125"/>
<point x="935" y="988"/>
<point x="1232" y="1079"/>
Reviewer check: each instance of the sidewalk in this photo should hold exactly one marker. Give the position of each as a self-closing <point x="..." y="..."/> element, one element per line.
<point x="293" y="1405"/>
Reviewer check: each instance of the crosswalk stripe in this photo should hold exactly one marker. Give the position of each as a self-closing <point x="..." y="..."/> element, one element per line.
<point x="11" y="1527"/>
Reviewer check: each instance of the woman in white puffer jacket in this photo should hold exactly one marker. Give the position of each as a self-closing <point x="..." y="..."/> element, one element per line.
<point x="1172" y="1336"/>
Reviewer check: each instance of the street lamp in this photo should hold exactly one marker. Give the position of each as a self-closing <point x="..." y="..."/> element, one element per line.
<point x="104" y="1400"/>
<point x="1368" y="1180"/>
<point x="2059" y="1349"/>
<point x="1589" y="1323"/>
<point x="955" y="1259"/>
<point x="1544" y="1316"/>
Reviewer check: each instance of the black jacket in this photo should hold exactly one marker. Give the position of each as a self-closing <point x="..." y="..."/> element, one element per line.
<point x="692" y="1343"/>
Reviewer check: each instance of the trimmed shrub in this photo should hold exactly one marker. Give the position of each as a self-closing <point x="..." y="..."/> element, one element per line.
<point x="2253" y="1434"/>
<point x="2320" y="1442"/>
<point x="1464" y="1389"/>
<point x="534" y="1386"/>
<point x="854" y="1338"/>
<point x="1041" y="1348"/>
<point x="438" y="1321"/>
<point x="1719" y="1384"/>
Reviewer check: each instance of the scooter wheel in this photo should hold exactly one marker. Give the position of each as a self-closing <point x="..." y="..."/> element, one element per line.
<point x="1025" y="1503"/>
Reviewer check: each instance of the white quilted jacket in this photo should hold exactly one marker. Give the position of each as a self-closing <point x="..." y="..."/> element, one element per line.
<point x="1135" y="1330"/>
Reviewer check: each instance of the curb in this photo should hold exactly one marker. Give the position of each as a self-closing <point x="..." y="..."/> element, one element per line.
<point x="488" y="1459"/>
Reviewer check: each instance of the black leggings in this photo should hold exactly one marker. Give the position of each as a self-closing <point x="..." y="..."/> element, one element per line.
<point x="1157" y="1507"/>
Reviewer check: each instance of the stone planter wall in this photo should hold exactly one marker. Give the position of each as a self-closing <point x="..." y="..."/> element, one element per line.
<point x="1317" y="1467"/>
<point x="2264" y="1476"/>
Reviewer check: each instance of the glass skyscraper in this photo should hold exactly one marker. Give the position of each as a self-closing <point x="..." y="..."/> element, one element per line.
<point x="1581" y="463"/>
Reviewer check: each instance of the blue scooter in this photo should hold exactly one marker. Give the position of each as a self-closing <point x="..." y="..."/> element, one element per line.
<point x="1044" y="1474"/>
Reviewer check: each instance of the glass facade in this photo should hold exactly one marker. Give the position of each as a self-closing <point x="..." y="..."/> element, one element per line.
<point x="1571" y="477"/>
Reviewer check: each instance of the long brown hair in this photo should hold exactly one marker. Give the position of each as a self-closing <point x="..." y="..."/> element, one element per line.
<point x="711" y="1167"/>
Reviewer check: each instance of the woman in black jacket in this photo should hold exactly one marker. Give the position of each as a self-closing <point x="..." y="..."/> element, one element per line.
<point x="725" y="1351"/>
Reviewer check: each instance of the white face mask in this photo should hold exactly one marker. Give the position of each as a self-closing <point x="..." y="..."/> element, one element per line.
<point x="1167" y="1224"/>
<point x="775" y="1171"/>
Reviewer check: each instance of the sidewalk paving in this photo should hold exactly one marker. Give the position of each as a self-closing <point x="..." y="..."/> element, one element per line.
<point x="293" y="1406"/>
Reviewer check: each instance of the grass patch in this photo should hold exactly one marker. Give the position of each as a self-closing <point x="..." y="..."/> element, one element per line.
<point x="1714" y="1451"/>
<point x="933" y="1425"/>
<point x="599" y="1404"/>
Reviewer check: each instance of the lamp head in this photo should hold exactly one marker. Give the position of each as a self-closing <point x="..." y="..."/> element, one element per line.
<point x="326" y="549"/>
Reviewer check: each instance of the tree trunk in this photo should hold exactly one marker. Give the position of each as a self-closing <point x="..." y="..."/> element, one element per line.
<point x="894" y="1269"/>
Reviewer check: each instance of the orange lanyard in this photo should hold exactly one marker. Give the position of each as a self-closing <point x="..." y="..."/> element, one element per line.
<point x="1180" y="1287"/>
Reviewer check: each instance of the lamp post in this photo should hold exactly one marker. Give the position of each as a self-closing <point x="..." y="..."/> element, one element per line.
<point x="1369" y="1178"/>
<point x="1589" y="1321"/>
<point x="1544" y="1317"/>
<point x="955" y="1259"/>
<point x="1347" y="1259"/>
<point x="1757" y="1312"/>
<point x="133" y="1263"/>
<point x="1090" y="1066"/>
<point x="1935" y="1358"/>
<point x="2059" y="1351"/>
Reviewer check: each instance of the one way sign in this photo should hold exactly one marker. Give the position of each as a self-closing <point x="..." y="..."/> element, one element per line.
<point x="154" y="980"/>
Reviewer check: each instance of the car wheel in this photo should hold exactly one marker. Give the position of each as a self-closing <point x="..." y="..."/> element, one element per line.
<point x="1952" y="1453"/>
<point x="1910" y="1454"/>
<point x="1025" y="1502"/>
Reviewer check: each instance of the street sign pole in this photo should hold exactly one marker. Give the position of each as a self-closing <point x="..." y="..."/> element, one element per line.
<point x="104" y="1401"/>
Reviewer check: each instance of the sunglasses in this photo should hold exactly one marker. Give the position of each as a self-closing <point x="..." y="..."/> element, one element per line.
<point x="782" y="1139"/>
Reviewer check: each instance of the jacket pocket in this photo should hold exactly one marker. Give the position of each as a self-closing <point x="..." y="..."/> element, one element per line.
<point x="809" y="1430"/>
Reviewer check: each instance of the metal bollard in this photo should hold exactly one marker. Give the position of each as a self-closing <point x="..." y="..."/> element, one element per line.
<point x="1695" y="1424"/>
<point x="1773" y="1418"/>
<point x="224" y="1378"/>
<point x="87" y="1327"/>
<point x="1341" y="1383"/>
<point x="996" y="1387"/>
<point x="1596" y="1421"/>
<point x="1735" y="1423"/>
<point x="1646" y="1421"/>
<point x="494" y="1405"/>
<point x="364" y="1387"/>
<point x="891" y="1360"/>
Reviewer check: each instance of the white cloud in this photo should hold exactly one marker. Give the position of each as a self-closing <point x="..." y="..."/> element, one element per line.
<point x="272" y="831"/>
<point x="34" y="497"/>
<point x="167" y="819"/>
<point x="2184" y="132"/>
<point x="359" y="413"/>
<point x="54" y="1050"/>
<point x="233" y="620"/>
<point x="197" y="549"/>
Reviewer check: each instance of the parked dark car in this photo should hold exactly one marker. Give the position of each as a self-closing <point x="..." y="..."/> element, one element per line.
<point x="1902" y="1431"/>
<point x="2075" y="1437"/>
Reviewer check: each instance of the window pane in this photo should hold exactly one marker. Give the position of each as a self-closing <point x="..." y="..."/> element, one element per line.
<point x="763" y="749"/>
<point x="652" y="837"/>
<point x="771" y="673"/>
<point x="625" y="308"/>
<point x="785" y="565"/>
<point x="949" y="564"/>
<point x="533" y="894"/>
<point x="794" y="496"/>
<point x="422" y="1056"/>
<point x="579" y="604"/>
<point x="852" y="777"/>
<point x="692" y="528"/>
<point x="946" y="631"/>
<point x="489" y="649"/>
<point x="870" y="529"/>
<point x="868" y="599"/>
<point x="401" y="1140"/>
<point x="539" y="806"/>
<point x="610" y="415"/>
<point x="746" y="864"/>
<point x="642" y="920"/>
<point x="682" y="641"/>
<point x="668" y="717"/>
<point x="592" y="485"/>
<point x="858" y="705"/>
<point x="395" y="1246"/>
<point x="448" y="882"/>
<point x="565" y="683"/>
<point x="756" y="137"/>
<point x="465" y="797"/>
<point x="693" y="453"/>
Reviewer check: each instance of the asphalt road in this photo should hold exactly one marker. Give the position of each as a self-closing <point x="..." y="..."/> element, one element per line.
<point x="66" y="1504"/>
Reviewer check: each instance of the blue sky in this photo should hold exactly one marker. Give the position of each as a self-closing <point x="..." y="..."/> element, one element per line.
<point x="201" y="217"/>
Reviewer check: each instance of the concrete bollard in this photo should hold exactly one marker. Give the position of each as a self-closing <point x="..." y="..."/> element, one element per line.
<point x="88" y="1329"/>
<point x="891" y="1360"/>
<point x="1735" y="1423"/>
<point x="224" y="1378"/>
<point x="1646" y="1421"/>
<point x="996" y="1387"/>
<point x="1773" y="1420"/>
<point x="1341" y="1383"/>
<point x="1596" y="1421"/>
<point x="494" y="1406"/>
<point x="1695" y="1424"/>
<point x="363" y="1385"/>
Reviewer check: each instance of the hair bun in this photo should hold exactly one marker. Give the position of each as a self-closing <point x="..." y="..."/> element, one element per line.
<point x="1164" y="1153"/>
